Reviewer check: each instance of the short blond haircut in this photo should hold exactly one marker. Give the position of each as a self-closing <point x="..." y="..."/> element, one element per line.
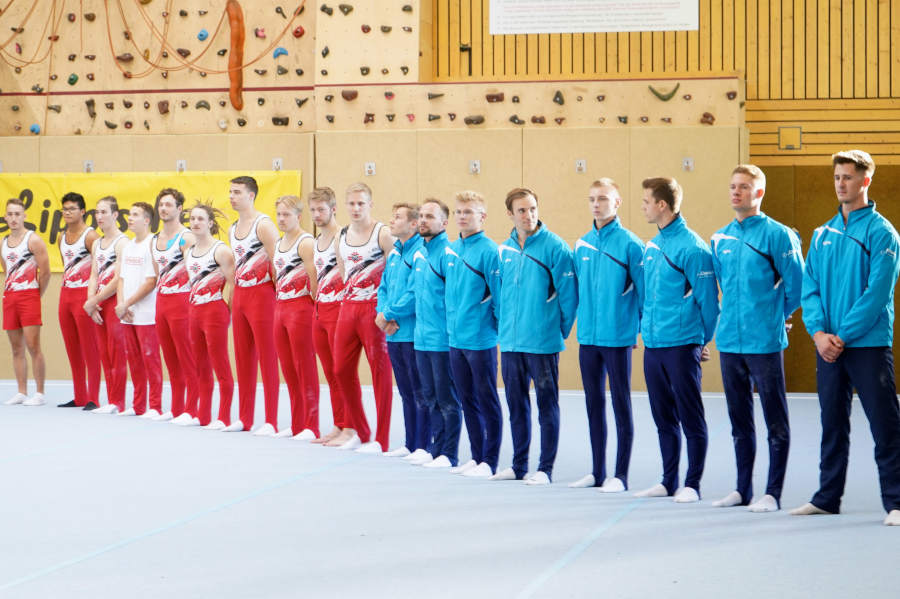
<point x="862" y="160"/>
<point x="606" y="182"/>
<point x="471" y="197"/>
<point x="322" y="194"/>
<point x="752" y="171"/>
<point x="359" y="188"/>
<point x="412" y="210"/>
<point x="291" y="201"/>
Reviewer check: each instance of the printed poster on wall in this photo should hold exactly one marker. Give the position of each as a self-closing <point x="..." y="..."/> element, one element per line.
<point x="590" y="16"/>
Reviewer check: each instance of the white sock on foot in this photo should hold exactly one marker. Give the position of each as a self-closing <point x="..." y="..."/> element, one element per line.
<point x="304" y="435"/>
<point x="538" y="479"/>
<point x="808" y="509"/>
<point x="372" y="447"/>
<point x="765" y="504"/>
<point x="285" y="432"/>
<point x="584" y="482"/>
<point x="420" y="459"/>
<point x="732" y="499"/>
<point x="35" y="400"/>
<point x="462" y="468"/>
<point x="192" y="422"/>
<point x="164" y="417"/>
<point x="686" y="495"/>
<point x="507" y="474"/>
<point x="16" y="399"/>
<point x="235" y="427"/>
<point x="218" y="425"/>
<point x="128" y="412"/>
<point x="657" y="490"/>
<point x="400" y="452"/>
<point x="893" y="518"/>
<point x="482" y="470"/>
<point x="351" y="443"/>
<point x="107" y="409"/>
<point x="150" y="414"/>
<point x="441" y="461"/>
<point x="266" y="430"/>
<point x="417" y="454"/>
<point x="612" y="485"/>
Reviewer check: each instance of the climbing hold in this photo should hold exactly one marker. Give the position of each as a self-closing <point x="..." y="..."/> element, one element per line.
<point x="90" y="56"/>
<point x="182" y="13"/>
<point x="163" y="106"/>
<point x="407" y="28"/>
<point x="71" y="17"/>
<point x="281" y="70"/>
<point x="326" y="9"/>
<point x="432" y="96"/>
<point x="18" y="48"/>
<point x="324" y="72"/>
<point x="433" y="117"/>
<point x="73" y="79"/>
<point x="165" y="54"/>
<point x="299" y="31"/>
<point x="601" y="97"/>
<point x="515" y="120"/>
<point x="300" y="101"/>
<point x="110" y="124"/>
<point x="369" y="118"/>
<point x="147" y="125"/>
<point x="299" y="72"/>
<point x="665" y="97"/>
<point x="37" y="89"/>
<point x="559" y="120"/>
<point x="687" y="97"/>
<point x="53" y="77"/>
<point x="345" y="8"/>
<point x="55" y="108"/>
<point x="90" y="76"/>
<point x="203" y="73"/>
<point x="279" y="51"/>
<point x="280" y="121"/>
<point x="299" y="123"/>
<point x="241" y="122"/>
<point x="493" y="98"/>
<point x="407" y="8"/>
<point x="474" y="120"/>
<point x="18" y="69"/>
<point x="184" y="104"/>
<point x="165" y="74"/>
<point x="202" y="12"/>
<point x="707" y="118"/>
<point x="35" y="129"/>
<point x="325" y="51"/>
<point x="410" y="117"/>
<point x="146" y="105"/>
<point x="109" y="105"/>
<point x="202" y="35"/>
<point x="126" y="34"/>
<point x="329" y="118"/>
<point x="558" y="98"/>
<point x="280" y="11"/>
<point x="202" y="104"/>
<point x="15" y="108"/>
<point x="452" y="116"/>
<point x="260" y="33"/>
<point x="222" y="52"/>
<point x="127" y="57"/>
<point x="666" y="119"/>
<point x="538" y="120"/>
<point x="329" y="97"/>
<point x="386" y="28"/>
<point x="405" y="70"/>
<point x="183" y="52"/>
<point x="128" y="124"/>
<point x="89" y="17"/>
<point x="578" y="98"/>
<point x="222" y="103"/>
<point x="260" y="72"/>
<point x="349" y="94"/>
<point x="223" y="124"/>
<point x="364" y="71"/>
<point x="127" y="103"/>
<point x="384" y="71"/>
<point x="623" y="119"/>
<point x="644" y="119"/>
<point x="71" y="58"/>
<point x="389" y="95"/>
<point x="366" y="29"/>
<point x="390" y="117"/>
<point x="260" y="101"/>
<point x="515" y="99"/>
<point x="731" y="95"/>
<point x="602" y="119"/>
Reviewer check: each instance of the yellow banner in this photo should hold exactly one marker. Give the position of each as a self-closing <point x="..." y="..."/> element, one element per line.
<point x="42" y="193"/>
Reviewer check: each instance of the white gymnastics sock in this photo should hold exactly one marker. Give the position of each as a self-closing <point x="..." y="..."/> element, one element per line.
<point x="612" y="485"/>
<point x="463" y="468"/>
<point x="304" y="435"/>
<point x="538" y="479"/>
<point x="415" y="455"/>
<point x="285" y="432"/>
<point x="16" y="399"/>
<point x="127" y="412"/>
<point x="808" y="509"/>
<point x="441" y="461"/>
<point x="266" y="430"/>
<point x="164" y="417"/>
<point x="400" y="452"/>
<point x="732" y="499"/>
<point x="686" y="495"/>
<point x="657" y="490"/>
<point x="766" y="504"/>
<point x="372" y="447"/>
<point x="893" y="518"/>
<point x="35" y="400"/>
<point x="351" y="443"/>
<point x="482" y="470"/>
<point x="235" y="427"/>
<point x="107" y="409"/>
<point x="192" y="422"/>
<point x="150" y="415"/>
<point x="584" y="482"/>
<point x="507" y="474"/>
<point x="420" y="459"/>
<point x="218" y="425"/>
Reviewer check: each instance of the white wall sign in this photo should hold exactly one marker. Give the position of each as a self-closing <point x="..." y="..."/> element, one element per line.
<point x="588" y="16"/>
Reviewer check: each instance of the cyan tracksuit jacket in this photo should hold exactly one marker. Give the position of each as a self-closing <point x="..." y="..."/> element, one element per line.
<point x="472" y="292"/>
<point x="538" y="293"/>
<point x="609" y="269"/>
<point x="681" y="303"/>
<point x="429" y="276"/>
<point x="396" y="299"/>
<point x="848" y="282"/>
<point x="759" y="266"/>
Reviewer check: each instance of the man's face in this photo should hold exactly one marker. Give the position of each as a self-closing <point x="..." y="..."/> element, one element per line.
<point x="654" y="210"/>
<point x="72" y="213"/>
<point x="15" y="217"/>
<point x="138" y="221"/>
<point x="401" y="226"/>
<point x="241" y="198"/>
<point x="524" y="214"/>
<point x="744" y="195"/>
<point x="199" y="221"/>
<point x="168" y="210"/>
<point x="320" y="213"/>
<point x="849" y="183"/>
<point x="287" y="218"/>
<point x="604" y="202"/>
<point x="105" y="217"/>
<point x="431" y="220"/>
<point x="359" y="207"/>
<point x="469" y="218"/>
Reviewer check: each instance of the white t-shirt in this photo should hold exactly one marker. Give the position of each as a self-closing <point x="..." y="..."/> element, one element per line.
<point x="137" y="267"/>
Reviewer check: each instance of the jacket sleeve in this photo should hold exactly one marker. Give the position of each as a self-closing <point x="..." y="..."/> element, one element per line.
<point x="883" y="269"/>
<point x="563" y="273"/>
<point x="636" y="269"/>
<point x="698" y="269"/>
<point x="810" y="298"/>
<point x="404" y="303"/>
<point x="789" y="260"/>
<point x="384" y="288"/>
<point x="494" y="283"/>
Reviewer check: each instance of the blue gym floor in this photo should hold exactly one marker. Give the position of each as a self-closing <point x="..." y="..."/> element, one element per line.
<point x="101" y="506"/>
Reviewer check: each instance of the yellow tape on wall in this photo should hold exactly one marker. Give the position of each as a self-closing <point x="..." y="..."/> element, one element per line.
<point x="42" y="193"/>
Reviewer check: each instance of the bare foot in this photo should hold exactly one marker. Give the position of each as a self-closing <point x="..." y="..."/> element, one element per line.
<point x="342" y="438"/>
<point x="331" y="435"/>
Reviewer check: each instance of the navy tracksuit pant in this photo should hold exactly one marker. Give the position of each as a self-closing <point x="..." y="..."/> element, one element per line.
<point x="740" y="372"/>
<point x="441" y="402"/>
<point x="416" y="418"/>
<point x="673" y="383"/>
<point x="519" y="370"/>
<point x="596" y="362"/>
<point x="870" y="370"/>
<point x="475" y="378"/>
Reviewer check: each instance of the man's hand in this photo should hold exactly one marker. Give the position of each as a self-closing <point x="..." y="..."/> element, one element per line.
<point x="96" y="316"/>
<point x="391" y="327"/>
<point x="828" y="346"/>
<point x="380" y="321"/>
<point x="704" y="354"/>
<point x="121" y="311"/>
<point x="90" y="306"/>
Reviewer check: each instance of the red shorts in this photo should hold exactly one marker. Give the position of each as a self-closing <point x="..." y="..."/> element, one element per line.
<point x="21" y="309"/>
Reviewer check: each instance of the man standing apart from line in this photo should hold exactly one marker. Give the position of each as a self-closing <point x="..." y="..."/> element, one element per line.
<point x="173" y="292"/>
<point x="362" y="248"/>
<point x="759" y="266"/>
<point x="253" y="236"/>
<point x="396" y="316"/>
<point x="609" y="269"/>
<point x="848" y="308"/>
<point x="27" y="266"/>
<point x="77" y="327"/>
<point x="431" y="342"/>
<point x="681" y="306"/>
<point x="538" y="299"/>
<point x="472" y="300"/>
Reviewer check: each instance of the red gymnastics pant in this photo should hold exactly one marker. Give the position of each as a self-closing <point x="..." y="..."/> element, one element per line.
<point x="174" y="337"/>
<point x="142" y="350"/>
<point x="294" y="342"/>
<point x="324" y="327"/>
<point x="81" y="345"/>
<point x="252" y="319"/>
<point x="111" y="343"/>
<point x="209" y="338"/>
<point x="356" y="330"/>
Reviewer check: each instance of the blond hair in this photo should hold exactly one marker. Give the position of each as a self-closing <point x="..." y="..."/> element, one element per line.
<point x="292" y="202"/>
<point x="752" y="171"/>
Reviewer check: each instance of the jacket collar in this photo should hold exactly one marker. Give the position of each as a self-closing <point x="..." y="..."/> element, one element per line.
<point x="607" y="229"/>
<point x="403" y="246"/>
<point x="673" y="228"/>
<point x="514" y="237"/>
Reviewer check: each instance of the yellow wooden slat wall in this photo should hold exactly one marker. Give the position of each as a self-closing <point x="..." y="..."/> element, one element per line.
<point x="786" y="49"/>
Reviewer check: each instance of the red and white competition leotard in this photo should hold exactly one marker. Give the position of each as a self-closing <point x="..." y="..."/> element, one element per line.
<point x="331" y="285"/>
<point x="251" y="263"/>
<point x="291" y="279"/>
<point x="363" y="266"/>
<point x="105" y="259"/>
<point x="76" y="261"/>
<point x="21" y="267"/>
<point x="207" y="280"/>
<point x="173" y="275"/>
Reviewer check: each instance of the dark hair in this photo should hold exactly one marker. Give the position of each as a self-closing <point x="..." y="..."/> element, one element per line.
<point x="862" y="161"/>
<point x="75" y="198"/>
<point x="213" y="213"/>
<point x="517" y="194"/>
<point x="665" y="189"/>
<point x="170" y="191"/>
<point x="147" y="208"/>
<point x="112" y="201"/>
<point x="444" y="209"/>
<point x="248" y="182"/>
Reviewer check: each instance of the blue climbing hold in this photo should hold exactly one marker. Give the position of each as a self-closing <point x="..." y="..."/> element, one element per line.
<point x="279" y="51"/>
<point x="35" y="128"/>
<point x="203" y="35"/>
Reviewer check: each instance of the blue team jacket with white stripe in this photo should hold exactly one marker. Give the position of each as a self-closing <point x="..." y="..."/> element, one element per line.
<point x="538" y="293"/>
<point x="396" y="299"/>
<point x="848" y="282"/>
<point x="430" y="274"/>
<point x="609" y="270"/>
<point x="759" y="266"/>
<point x="681" y="299"/>
<point x="472" y="292"/>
